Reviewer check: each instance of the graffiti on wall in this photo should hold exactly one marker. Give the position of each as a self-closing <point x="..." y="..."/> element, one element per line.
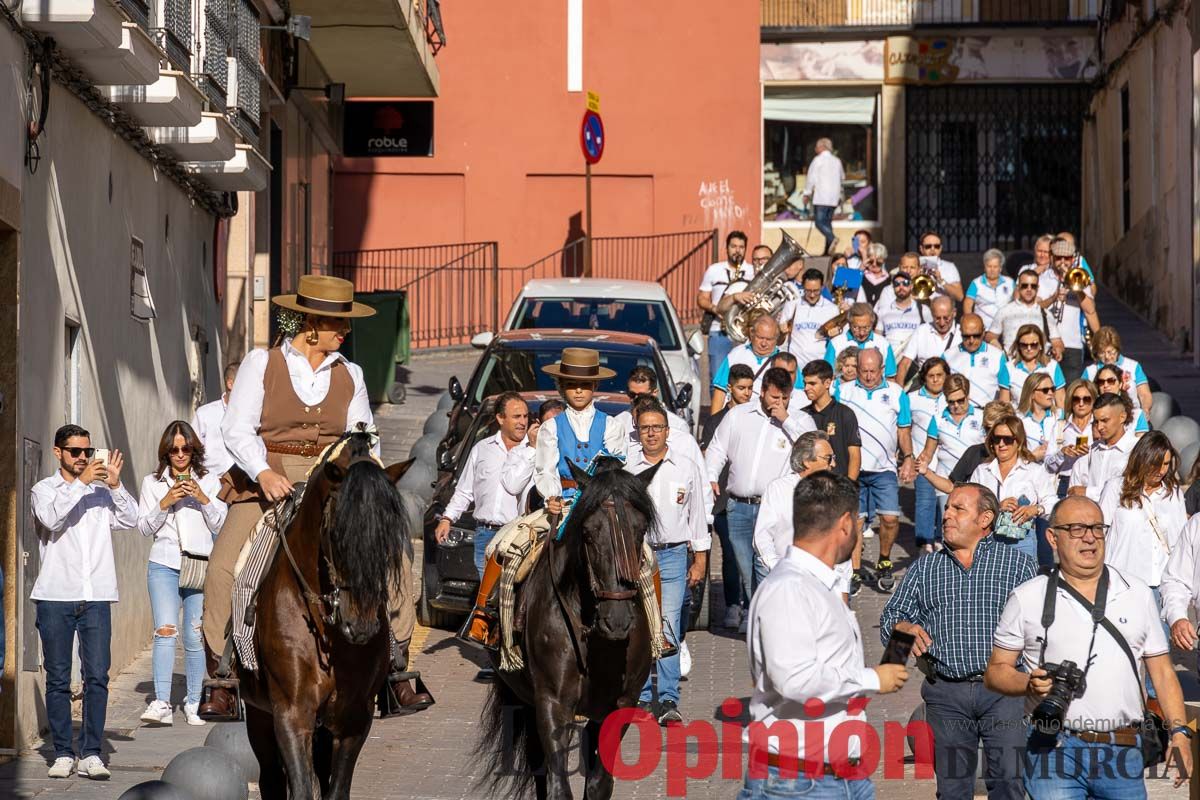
<point x="718" y="205"/>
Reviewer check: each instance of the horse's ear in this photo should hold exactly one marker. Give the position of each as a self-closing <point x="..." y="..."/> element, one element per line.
<point x="648" y="475"/>
<point x="580" y="476"/>
<point x="396" y="471"/>
<point x="334" y="473"/>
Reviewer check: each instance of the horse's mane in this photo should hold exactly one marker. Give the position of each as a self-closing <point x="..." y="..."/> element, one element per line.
<point x="610" y="482"/>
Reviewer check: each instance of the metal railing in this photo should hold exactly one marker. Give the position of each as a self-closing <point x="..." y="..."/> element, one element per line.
<point x="825" y="14"/>
<point x="457" y="290"/>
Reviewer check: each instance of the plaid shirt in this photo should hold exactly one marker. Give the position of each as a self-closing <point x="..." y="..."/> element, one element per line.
<point x="958" y="608"/>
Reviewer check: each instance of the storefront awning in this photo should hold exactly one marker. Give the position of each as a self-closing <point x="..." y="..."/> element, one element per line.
<point x="847" y="110"/>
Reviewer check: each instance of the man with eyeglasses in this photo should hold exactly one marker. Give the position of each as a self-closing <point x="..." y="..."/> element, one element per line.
<point x="1076" y="614"/>
<point x="932" y="339"/>
<point x="804" y="314"/>
<point x="944" y="273"/>
<point x="683" y="500"/>
<point x="759" y="256"/>
<point x="1075" y="312"/>
<point x="984" y="365"/>
<point x="1024" y="310"/>
<point x="643" y="382"/>
<point x="1113" y="441"/>
<point x="77" y="509"/>
<point x="861" y="334"/>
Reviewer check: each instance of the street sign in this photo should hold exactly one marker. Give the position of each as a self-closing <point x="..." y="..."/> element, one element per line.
<point x="593" y="102"/>
<point x="591" y="137"/>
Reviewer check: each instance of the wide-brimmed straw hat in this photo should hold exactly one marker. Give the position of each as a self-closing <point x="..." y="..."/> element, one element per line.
<point x="324" y="296"/>
<point x="579" y="364"/>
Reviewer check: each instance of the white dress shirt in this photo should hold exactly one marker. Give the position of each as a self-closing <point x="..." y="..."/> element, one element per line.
<point x="244" y="415"/>
<point x="186" y="522"/>
<point x="1103" y="461"/>
<point x="1011" y="317"/>
<point x="1140" y="539"/>
<point x="1026" y="479"/>
<point x="804" y="644"/>
<point x="545" y="457"/>
<point x="682" y="497"/>
<point x="774" y="528"/>
<point x="481" y="483"/>
<point x="681" y="436"/>
<point x="756" y="446"/>
<point x="823" y="183"/>
<point x="948" y="271"/>
<point x="75" y="538"/>
<point x="206" y="422"/>
<point x="1180" y="585"/>
<point x="1066" y="434"/>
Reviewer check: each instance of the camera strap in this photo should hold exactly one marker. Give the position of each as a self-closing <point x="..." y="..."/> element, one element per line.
<point x="1096" y="609"/>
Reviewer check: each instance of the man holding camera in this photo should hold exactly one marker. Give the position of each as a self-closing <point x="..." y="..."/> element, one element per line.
<point x="1081" y="633"/>
<point x="950" y="601"/>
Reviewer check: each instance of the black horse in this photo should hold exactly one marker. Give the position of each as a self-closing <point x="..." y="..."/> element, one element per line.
<point x="322" y="632"/>
<point x="586" y="644"/>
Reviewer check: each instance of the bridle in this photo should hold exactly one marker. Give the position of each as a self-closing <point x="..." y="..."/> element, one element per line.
<point x="628" y="564"/>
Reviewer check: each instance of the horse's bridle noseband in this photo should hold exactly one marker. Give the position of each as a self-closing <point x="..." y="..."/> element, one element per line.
<point x="625" y="564"/>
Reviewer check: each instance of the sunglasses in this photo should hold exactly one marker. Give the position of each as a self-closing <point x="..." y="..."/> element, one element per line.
<point x="1028" y="285"/>
<point x="181" y="451"/>
<point x="1007" y="441"/>
<point x="1084" y="399"/>
<point x="1029" y="345"/>
<point x="901" y="282"/>
<point x="1045" y="389"/>
<point x="956" y="401"/>
<point x="1106" y="381"/>
<point x="972" y="335"/>
<point x="931" y="247"/>
<point x="76" y="452"/>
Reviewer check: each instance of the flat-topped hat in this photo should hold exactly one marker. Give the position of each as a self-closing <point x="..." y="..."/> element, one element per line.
<point x="1062" y="248"/>
<point x="324" y="296"/>
<point x="580" y="364"/>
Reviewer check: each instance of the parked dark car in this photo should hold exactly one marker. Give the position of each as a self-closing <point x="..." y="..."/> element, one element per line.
<point x="449" y="578"/>
<point x="513" y="361"/>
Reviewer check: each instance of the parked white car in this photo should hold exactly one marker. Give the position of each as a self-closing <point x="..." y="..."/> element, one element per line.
<point x="611" y="305"/>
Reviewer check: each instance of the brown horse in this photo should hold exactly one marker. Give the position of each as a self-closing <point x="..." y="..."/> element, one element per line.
<point x="321" y="629"/>
<point x="586" y="645"/>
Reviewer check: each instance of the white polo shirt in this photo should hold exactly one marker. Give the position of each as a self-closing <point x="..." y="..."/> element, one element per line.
<point x="989" y="299"/>
<point x="804" y="340"/>
<point x="1010" y="318"/>
<point x="954" y="438"/>
<point x="717" y="278"/>
<point x="986" y="369"/>
<point x="1113" y="698"/>
<point x="1043" y="431"/>
<point x="774" y="531"/>
<point x="881" y="412"/>
<point x="743" y="354"/>
<point x="923" y="407"/>
<point x="1132" y="376"/>
<point x="898" y="324"/>
<point x="1141" y="538"/>
<point x="682" y="497"/>
<point x="757" y="448"/>
<point x="1072" y="324"/>
<point x="837" y="344"/>
<point x="1018" y="373"/>
<point x="927" y="343"/>
<point x="1102" y="462"/>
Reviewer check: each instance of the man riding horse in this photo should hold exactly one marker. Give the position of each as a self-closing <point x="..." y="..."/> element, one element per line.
<point x="287" y="405"/>
<point x="578" y="436"/>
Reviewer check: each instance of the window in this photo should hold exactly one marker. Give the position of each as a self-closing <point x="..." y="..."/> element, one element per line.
<point x="645" y="317"/>
<point x="521" y="371"/>
<point x="141" y="305"/>
<point x="1126" y="171"/>
<point x="793" y="121"/>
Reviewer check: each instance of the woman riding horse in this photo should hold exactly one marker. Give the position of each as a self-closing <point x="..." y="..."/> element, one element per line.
<point x="287" y="404"/>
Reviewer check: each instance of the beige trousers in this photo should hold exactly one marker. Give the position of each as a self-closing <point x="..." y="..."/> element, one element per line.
<point x="240" y="522"/>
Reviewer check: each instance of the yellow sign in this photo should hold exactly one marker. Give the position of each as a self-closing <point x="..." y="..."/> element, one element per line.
<point x="593" y="102"/>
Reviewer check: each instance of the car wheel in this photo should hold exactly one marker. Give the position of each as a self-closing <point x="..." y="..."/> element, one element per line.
<point x="427" y="615"/>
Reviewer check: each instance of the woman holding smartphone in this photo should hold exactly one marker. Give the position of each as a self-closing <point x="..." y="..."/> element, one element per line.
<point x="180" y="509"/>
<point x="1073" y="436"/>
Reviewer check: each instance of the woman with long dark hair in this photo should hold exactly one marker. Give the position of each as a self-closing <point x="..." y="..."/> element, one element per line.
<point x="180" y="509"/>
<point x="1108" y="380"/>
<point x="925" y="403"/>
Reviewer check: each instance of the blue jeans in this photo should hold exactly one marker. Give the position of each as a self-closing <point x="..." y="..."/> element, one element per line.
<point x="672" y="568"/>
<point x="825" y="787"/>
<point x="1028" y="545"/>
<point x="742" y="517"/>
<point x="929" y="512"/>
<point x="165" y="600"/>
<point x="823" y="220"/>
<point x="719" y="346"/>
<point x="731" y="581"/>
<point x="1076" y="770"/>
<point x="483" y="537"/>
<point x="1045" y="553"/>
<point x="58" y="622"/>
<point x="964" y="715"/>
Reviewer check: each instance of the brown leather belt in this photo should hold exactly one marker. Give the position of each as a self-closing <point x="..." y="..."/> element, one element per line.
<point x="793" y="764"/>
<point x="306" y="449"/>
<point x="567" y="483"/>
<point x="1121" y="737"/>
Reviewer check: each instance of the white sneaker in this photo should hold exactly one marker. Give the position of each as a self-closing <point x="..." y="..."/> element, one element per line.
<point x="733" y="616"/>
<point x="158" y="713"/>
<point x="62" y="767"/>
<point x="868" y="533"/>
<point x="92" y="767"/>
<point x="745" y="622"/>
<point x="191" y="712"/>
<point x="685" y="660"/>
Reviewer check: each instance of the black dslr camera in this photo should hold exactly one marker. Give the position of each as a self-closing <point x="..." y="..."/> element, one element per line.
<point x="1069" y="684"/>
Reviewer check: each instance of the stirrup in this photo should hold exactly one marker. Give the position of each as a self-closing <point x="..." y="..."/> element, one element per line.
<point x="230" y="684"/>
<point x="493" y="634"/>
<point x="388" y="701"/>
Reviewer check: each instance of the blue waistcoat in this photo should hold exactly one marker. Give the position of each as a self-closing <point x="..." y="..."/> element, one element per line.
<point x="570" y="448"/>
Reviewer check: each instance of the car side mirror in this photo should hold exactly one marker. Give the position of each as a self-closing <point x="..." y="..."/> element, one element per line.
<point x="456" y="391"/>
<point x="482" y="340"/>
<point x="683" y="396"/>
<point x="695" y="342"/>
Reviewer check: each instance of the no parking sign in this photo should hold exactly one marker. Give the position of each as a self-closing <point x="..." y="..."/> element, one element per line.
<point x="591" y="137"/>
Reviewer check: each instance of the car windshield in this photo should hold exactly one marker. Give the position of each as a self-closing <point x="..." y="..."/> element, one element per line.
<point x="647" y="317"/>
<point x="505" y="370"/>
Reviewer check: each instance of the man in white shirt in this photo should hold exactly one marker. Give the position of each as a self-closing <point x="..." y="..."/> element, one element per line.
<point x="683" y="500"/>
<point x="944" y="273"/>
<point x="860" y="333"/>
<point x="930" y="340"/>
<point x="900" y="315"/>
<point x="1091" y="748"/>
<point x="1180" y="586"/>
<point x="1023" y="310"/>
<point x="1075" y="312"/>
<point x="1113" y="441"/>
<point x="713" y="285"/>
<point x="805" y="643"/>
<point x="823" y="188"/>
<point x="755" y="439"/>
<point x="803" y="316"/>
<point x="755" y="353"/>
<point x="984" y="365"/>
<point x="206" y="422"/>
<point x="642" y="382"/>
<point x="77" y="509"/>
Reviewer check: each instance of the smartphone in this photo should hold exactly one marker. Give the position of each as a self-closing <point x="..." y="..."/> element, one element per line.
<point x="101" y="455"/>
<point x="183" y="476"/>
<point x="898" y="648"/>
<point x="1081" y="441"/>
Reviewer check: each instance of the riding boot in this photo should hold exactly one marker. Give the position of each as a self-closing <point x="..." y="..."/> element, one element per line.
<point x="478" y="628"/>
<point x="220" y="703"/>
<point x="668" y="649"/>
<point x="398" y="697"/>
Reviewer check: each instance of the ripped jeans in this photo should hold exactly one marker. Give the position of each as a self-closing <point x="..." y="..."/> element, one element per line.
<point x="165" y="599"/>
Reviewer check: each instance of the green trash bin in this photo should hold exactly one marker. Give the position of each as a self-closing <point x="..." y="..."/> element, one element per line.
<point x="380" y="342"/>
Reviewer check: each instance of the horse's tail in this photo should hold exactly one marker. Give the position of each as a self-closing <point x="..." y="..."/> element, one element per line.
<point x="509" y="750"/>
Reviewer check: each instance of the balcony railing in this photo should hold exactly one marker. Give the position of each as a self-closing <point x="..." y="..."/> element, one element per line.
<point x="901" y="14"/>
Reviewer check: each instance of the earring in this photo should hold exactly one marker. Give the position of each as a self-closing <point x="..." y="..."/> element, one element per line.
<point x="313" y="337"/>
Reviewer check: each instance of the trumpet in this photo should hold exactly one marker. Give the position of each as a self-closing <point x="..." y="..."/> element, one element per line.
<point x="1078" y="279"/>
<point x="923" y="287"/>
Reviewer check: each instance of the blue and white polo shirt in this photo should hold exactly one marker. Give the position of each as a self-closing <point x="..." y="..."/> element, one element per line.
<point x="1132" y="376"/>
<point x="837" y="344"/>
<point x="924" y="406"/>
<point x="1042" y="431"/>
<point x="954" y="438"/>
<point x="742" y="354"/>
<point x="986" y="369"/>
<point x="988" y="299"/>
<point x="881" y="412"/>
<point x="1018" y="373"/>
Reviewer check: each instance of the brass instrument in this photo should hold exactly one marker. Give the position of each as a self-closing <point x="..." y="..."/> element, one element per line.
<point x="769" y="288"/>
<point x="1077" y="279"/>
<point x="923" y="287"/>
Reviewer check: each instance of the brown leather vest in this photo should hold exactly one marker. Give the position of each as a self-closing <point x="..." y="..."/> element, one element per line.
<point x="286" y="421"/>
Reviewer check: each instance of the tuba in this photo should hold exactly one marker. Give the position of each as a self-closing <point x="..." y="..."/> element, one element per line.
<point x="769" y="288"/>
